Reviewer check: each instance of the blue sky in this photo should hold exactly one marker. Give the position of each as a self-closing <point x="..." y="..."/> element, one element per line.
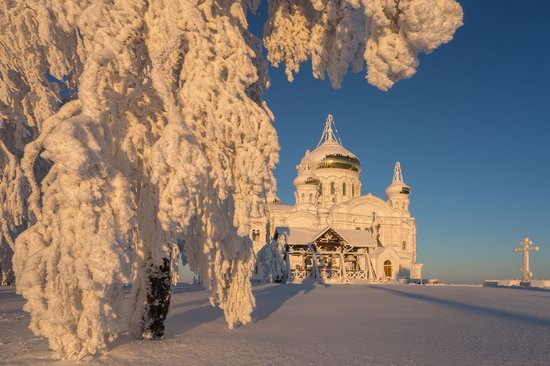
<point x="471" y="130"/>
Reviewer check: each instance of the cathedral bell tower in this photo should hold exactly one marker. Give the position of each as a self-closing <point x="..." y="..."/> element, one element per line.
<point x="398" y="192"/>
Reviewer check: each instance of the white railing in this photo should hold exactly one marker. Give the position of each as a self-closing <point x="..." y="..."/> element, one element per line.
<point x="330" y="273"/>
<point x="299" y="274"/>
<point x="357" y="274"/>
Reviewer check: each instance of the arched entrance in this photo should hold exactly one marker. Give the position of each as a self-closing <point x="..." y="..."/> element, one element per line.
<point x="387" y="269"/>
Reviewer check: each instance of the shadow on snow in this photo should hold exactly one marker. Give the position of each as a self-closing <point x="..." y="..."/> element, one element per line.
<point x="268" y="301"/>
<point x="475" y="309"/>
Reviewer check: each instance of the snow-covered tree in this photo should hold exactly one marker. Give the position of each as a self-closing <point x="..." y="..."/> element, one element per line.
<point x="30" y="50"/>
<point x="387" y="35"/>
<point x="166" y="137"/>
<point x="271" y="261"/>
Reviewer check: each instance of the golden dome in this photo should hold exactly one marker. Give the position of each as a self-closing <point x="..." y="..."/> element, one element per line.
<point x="331" y="154"/>
<point x="306" y="179"/>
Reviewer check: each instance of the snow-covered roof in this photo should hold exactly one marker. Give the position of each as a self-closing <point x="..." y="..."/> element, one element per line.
<point x="358" y="238"/>
<point x="279" y="207"/>
<point x="299" y="235"/>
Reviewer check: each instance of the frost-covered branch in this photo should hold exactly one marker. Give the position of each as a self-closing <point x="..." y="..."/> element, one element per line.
<point x="231" y="152"/>
<point x="35" y="41"/>
<point x="387" y="35"/>
<point x="168" y="136"/>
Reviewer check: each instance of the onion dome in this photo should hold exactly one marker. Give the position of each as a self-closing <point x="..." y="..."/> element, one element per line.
<point x="398" y="186"/>
<point x="331" y="154"/>
<point x="306" y="178"/>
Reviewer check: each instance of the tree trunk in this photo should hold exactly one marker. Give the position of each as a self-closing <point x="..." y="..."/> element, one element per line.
<point x="7" y="277"/>
<point x="159" y="292"/>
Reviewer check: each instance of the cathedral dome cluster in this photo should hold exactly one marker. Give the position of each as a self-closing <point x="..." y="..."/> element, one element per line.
<point x="330" y="217"/>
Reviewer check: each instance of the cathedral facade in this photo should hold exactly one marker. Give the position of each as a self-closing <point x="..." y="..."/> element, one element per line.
<point x="333" y="232"/>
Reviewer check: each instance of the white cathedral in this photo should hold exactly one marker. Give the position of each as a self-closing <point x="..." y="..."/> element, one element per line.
<point x="334" y="233"/>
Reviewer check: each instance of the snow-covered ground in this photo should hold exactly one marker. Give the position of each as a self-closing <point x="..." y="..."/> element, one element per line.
<point x="313" y="324"/>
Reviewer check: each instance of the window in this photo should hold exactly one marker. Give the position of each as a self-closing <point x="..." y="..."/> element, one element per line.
<point x="332" y="188"/>
<point x="344" y="188"/>
<point x="311" y="198"/>
<point x="357" y="228"/>
<point x="302" y="198"/>
<point x="387" y="269"/>
<point x="255" y="235"/>
<point x="353" y="190"/>
<point x="404" y="245"/>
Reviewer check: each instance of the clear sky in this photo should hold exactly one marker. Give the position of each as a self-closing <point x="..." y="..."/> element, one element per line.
<point x="471" y="130"/>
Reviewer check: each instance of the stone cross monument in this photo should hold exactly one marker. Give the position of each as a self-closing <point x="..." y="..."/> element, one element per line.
<point x="526" y="247"/>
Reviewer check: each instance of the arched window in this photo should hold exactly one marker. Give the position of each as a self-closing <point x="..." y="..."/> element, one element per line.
<point x="332" y="188"/>
<point x="387" y="269"/>
<point x="311" y="198"/>
<point x="353" y="190"/>
<point x="344" y="188"/>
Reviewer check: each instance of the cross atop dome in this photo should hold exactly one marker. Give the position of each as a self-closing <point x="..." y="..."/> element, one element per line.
<point x="397" y="175"/>
<point x="330" y="133"/>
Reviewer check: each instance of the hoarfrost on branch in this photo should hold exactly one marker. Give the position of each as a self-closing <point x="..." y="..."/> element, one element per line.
<point x="387" y="35"/>
<point x="164" y="136"/>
